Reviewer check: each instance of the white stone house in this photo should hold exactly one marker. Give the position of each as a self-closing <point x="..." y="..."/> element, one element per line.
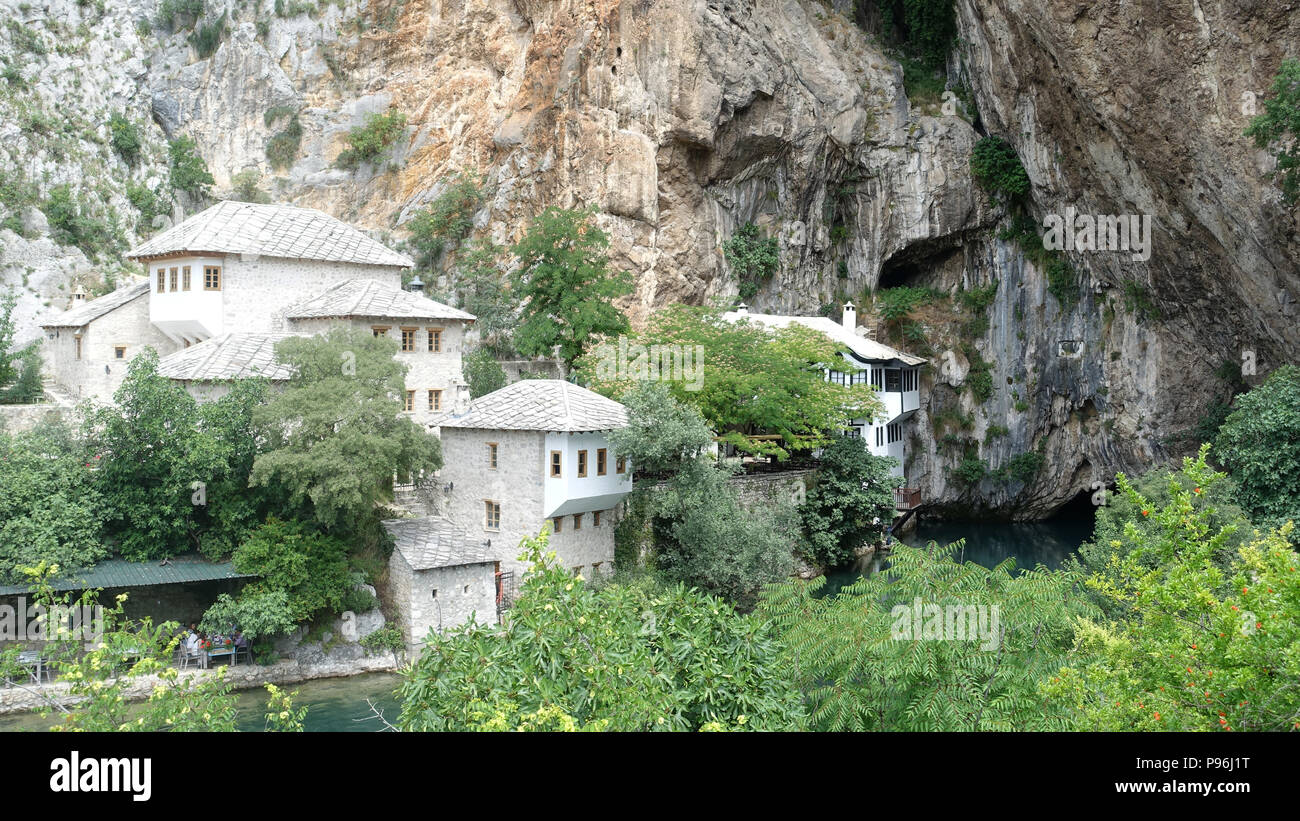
<point x="532" y="453"/>
<point x="894" y="374"/>
<point x="439" y="576"/>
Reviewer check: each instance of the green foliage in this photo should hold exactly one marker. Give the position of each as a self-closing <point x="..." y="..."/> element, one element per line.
<point x="207" y="37"/>
<point x="662" y="433"/>
<point x="189" y="173"/>
<point x="970" y="471"/>
<point x="995" y="166"/>
<point x="566" y="285"/>
<point x="294" y="8"/>
<point x="281" y="717"/>
<point x="925" y="28"/>
<point x="448" y="219"/>
<point x="71" y="224"/>
<point x="173" y="12"/>
<point x="20" y="379"/>
<point x="752" y="257"/>
<point x="1062" y="282"/>
<point x="359" y="600"/>
<point x="1259" y="444"/>
<point x="369" y="142"/>
<point x="147" y="202"/>
<point x="755" y="380"/>
<point x="994" y="431"/>
<point x="336" y="435"/>
<point x="385" y="638"/>
<point x="1022" y="467"/>
<point x="246" y="187"/>
<point x="1196" y="646"/>
<point x="310" y="568"/>
<point x="124" y="136"/>
<point x="50" y="509"/>
<point x="482" y="290"/>
<point x="1137" y="300"/>
<point x="980" y="376"/>
<point x="860" y="671"/>
<point x="923" y="82"/>
<point x="25" y="39"/>
<point x="898" y="303"/>
<point x="621" y="658"/>
<point x="851" y="503"/>
<point x="12" y="73"/>
<point x="482" y="373"/>
<point x="282" y="148"/>
<point x="259" y="613"/>
<point x="1279" y="126"/>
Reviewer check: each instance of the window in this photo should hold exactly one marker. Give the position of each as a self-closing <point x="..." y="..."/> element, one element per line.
<point x="379" y="330"/>
<point x="895" y="432"/>
<point x="408" y="339"/>
<point x="211" y="278"/>
<point x="854" y="432"/>
<point x="175" y="272"/>
<point x="595" y="522"/>
<point x="582" y="463"/>
<point x="577" y="521"/>
<point x="880" y="437"/>
<point x="435" y="340"/>
<point x="435" y="400"/>
<point x="77" y="340"/>
<point x="410" y="401"/>
<point x="162" y="280"/>
<point x="557" y="524"/>
<point x="838" y="377"/>
<point x="878" y="378"/>
<point x="893" y="379"/>
<point x="119" y="352"/>
<point x="491" y="516"/>
<point x="185" y="278"/>
<point x="620" y="464"/>
<point x="555" y="464"/>
<point x="492" y="455"/>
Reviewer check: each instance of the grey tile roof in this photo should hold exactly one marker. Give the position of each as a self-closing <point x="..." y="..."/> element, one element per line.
<point x="868" y="349"/>
<point x="272" y="231"/>
<point x="542" y="404"/>
<point x="367" y="297"/>
<point x="95" y="308"/>
<point x="189" y="567"/>
<point x="229" y="356"/>
<point x="431" y="541"/>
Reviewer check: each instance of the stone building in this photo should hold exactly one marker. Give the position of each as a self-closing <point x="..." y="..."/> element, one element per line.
<point x="224" y="285"/>
<point x="532" y="453"/>
<point x="439" y="576"/>
<point x="894" y="374"/>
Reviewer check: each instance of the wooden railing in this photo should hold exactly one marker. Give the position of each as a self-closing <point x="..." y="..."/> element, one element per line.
<point x="907" y="498"/>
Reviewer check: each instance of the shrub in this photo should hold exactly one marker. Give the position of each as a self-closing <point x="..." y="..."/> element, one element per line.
<point x="124" y="136"/>
<point x="369" y="142"/>
<point x="25" y="39"/>
<point x="245" y="187"/>
<point x="897" y="303"/>
<point x="359" y="600"/>
<point x="482" y="373"/>
<point x="189" y="173"/>
<point x="446" y="220"/>
<point x="1280" y="124"/>
<point x="996" y="167"/>
<point x="752" y="257"/>
<point x="970" y="471"/>
<point x="171" y="12"/>
<point x="925" y="28"/>
<point x="385" y="638"/>
<point x="206" y="38"/>
<point x="1137" y="300"/>
<point x="282" y="148"/>
<point x="71" y="225"/>
<point x="145" y="201"/>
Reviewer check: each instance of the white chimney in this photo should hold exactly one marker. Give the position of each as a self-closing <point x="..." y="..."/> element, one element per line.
<point x="850" y="318"/>
<point x="742" y="308"/>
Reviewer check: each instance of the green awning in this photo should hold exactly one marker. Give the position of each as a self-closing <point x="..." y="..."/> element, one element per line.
<point x="190" y="567"/>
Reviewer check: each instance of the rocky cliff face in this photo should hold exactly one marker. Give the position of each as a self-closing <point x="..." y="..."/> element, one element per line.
<point x="684" y="119"/>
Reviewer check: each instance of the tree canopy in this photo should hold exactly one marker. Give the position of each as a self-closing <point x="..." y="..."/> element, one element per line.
<point x="1259" y="444"/>
<point x="850" y="503"/>
<point x="1279" y="126"/>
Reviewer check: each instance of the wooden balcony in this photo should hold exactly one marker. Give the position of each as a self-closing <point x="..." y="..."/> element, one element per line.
<point x="907" y="498"/>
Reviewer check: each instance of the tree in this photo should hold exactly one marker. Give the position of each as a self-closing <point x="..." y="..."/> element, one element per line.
<point x="50" y="508"/>
<point x="754" y="380"/>
<point x="851" y="502"/>
<point x="482" y="291"/>
<point x="124" y="136"/>
<point x="20" y="366"/>
<point x="567" y="289"/>
<point x="448" y="219"/>
<point x="1280" y="125"/>
<point x="995" y="166"/>
<point x="662" y="434"/>
<point x="336" y="435"/>
<point x="1259" y="444"/>
<point x="629" y="658"/>
<point x="189" y="173"/>
<point x="929" y="644"/>
<point x="259" y="613"/>
<point x="1196" y="647"/>
<point x="752" y="258"/>
<point x="309" y="567"/>
<point x="482" y="373"/>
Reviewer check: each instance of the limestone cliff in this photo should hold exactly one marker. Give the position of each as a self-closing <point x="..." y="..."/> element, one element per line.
<point x="683" y="119"/>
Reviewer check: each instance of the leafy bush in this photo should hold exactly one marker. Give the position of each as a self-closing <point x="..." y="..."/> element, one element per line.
<point x="258" y="613"/>
<point x="359" y="600"/>
<point x="25" y="39"/>
<point x="148" y="203"/>
<point x="970" y="471"/>
<point x="124" y="136"/>
<point x="482" y="373"/>
<point x="925" y="28"/>
<point x="1280" y="125"/>
<point x="282" y="148"/>
<point x="207" y="37"/>
<point x="851" y="503"/>
<point x="71" y="225"/>
<point x="245" y="187"/>
<point x="446" y="220"/>
<point x="310" y="567"/>
<point x="1137" y="300"/>
<point x="753" y="258"/>
<point x="189" y="173"/>
<point x="172" y="12"/>
<point x="996" y="167"/>
<point x="385" y="638"/>
<point x="1259" y="444"/>
<point x="897" y="303"/>
<point x="369" y="142"/>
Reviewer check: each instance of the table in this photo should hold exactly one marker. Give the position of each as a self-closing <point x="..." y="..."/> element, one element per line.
<point x="222" y="651"/>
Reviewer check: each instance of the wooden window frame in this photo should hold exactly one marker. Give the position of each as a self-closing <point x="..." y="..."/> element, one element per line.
<point x="435" y="399"/>
<point x="582" y="464"/>
<point x="491" y="509"/>
<point x="557" y="524"/>
<point x="380" y="330"/>
<point x="405" y="348"/>
<point x="620" y="464"/>
<point x="185" y="278"/>
<point x="595" y="520"/>
<point x="556" y="469"/>
<point x="173" y="279"/>
<point x="435" y="340"/>
<point x="162" y="280"/>
<point x="602" y="461"/>
<point x="76" y="340"/>
<point x="410" y="401"/>
<point x="121" y="348"/>
<point x="492" y="455"/>
<point x="577" y="521"/>
<point x="212" y="277"/>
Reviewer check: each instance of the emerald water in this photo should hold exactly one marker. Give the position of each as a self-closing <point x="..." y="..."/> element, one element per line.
<point x="334" y="705"/>
<point x="1029" y="544"/>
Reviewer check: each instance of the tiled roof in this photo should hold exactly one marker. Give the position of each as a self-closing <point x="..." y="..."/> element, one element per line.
<point x="229" y="356"/>
<point x="95" y="308"/>
<point x="122" y="573"/>
<point x="542" y="404"/>
<point x="431" y="541"/>
<point x="272" y="231"/>
<point x="367" y="297"/>
<point x="868" y="349"/>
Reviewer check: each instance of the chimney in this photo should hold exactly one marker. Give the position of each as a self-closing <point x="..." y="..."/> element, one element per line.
<point x="416" y="285"/>
<point x="460" y="406"/>
<point x="742" y="308"/>
<point x="850" y="318"/>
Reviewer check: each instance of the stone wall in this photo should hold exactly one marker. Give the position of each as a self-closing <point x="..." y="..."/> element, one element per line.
<point x="766" y="488"/>
<point x="461" y="591"/>
<point x="14" y="418"/>
<point x="257" y="290"/>
<point x="516" y="485"/>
